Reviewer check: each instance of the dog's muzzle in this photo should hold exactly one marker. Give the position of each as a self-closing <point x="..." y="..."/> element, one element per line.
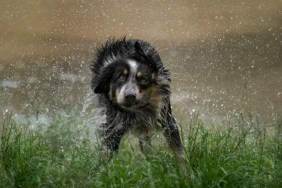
<point x="129" y="98"/>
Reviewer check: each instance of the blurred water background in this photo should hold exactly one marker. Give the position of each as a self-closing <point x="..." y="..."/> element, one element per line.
<point x="225" y="56"/>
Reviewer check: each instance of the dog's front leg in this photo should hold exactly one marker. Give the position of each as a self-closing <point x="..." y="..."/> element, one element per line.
<point x="145" y="144"/>
<point x="111" y="139"/>
<point x="172" y="136"/>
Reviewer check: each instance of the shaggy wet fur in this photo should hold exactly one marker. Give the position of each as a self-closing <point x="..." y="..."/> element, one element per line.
<point x="143" y="119"/>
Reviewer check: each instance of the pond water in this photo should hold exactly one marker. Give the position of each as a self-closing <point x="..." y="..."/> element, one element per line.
<point x="225" y="58"/>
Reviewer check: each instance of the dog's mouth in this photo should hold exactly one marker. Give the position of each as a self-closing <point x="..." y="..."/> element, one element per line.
<point x="130" y="104"/>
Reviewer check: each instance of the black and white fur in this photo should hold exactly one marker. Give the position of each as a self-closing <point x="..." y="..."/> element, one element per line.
<point x="133" y="103"/>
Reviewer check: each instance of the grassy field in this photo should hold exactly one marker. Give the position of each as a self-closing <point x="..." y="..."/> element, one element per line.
<point x="239" y="154"/>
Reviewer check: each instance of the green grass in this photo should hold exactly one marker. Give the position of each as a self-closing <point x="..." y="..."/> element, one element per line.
<point x="240" y="154"/>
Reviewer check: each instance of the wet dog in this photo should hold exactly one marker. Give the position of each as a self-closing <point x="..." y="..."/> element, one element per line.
<point x="134" y="87"/>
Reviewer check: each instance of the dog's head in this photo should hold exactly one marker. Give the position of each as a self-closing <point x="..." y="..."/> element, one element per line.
<point x="133" y="81"/>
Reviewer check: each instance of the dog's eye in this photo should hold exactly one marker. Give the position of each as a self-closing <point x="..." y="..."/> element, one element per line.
<point x="143" y="81"/>
<point x="121" y="77"/>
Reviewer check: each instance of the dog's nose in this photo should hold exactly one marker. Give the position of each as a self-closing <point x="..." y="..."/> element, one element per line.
<point x="130" y="98"/>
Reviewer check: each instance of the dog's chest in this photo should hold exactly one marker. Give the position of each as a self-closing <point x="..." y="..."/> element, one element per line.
<point x="144" y="128"/>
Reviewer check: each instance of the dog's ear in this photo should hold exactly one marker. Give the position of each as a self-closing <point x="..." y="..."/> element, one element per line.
<point x="139" y="49"/>
<point x="102" y="85"/>
<point x="149" y="58"/>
